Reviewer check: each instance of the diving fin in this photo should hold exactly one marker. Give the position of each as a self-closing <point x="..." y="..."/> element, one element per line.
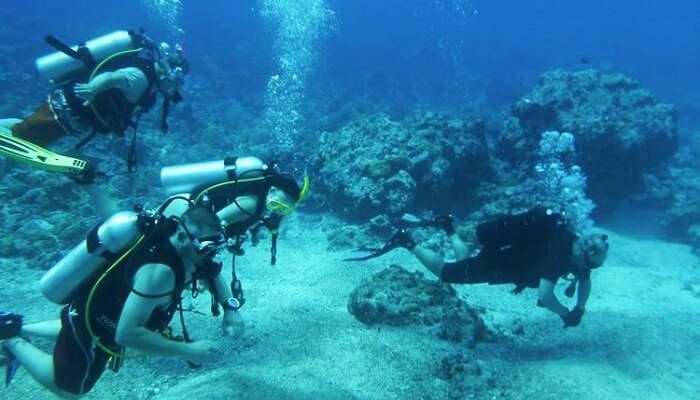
<point x="374" y="253"/>
<point x="400" y="239"/>
<point x="11" y="366"/>
<point x="29" y="153"/>
<point x="443" y="221"/>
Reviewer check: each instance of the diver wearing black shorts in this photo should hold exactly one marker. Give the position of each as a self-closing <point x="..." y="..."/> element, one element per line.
<point x="519" y="249"/>
<point x="532" y="249"/>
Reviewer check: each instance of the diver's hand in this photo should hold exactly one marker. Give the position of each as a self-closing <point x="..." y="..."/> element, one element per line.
<point x="573" y="317"/>
<point x="85" y="92"/>
<point x="203" y="351"/>
<point x="232" y="324"/>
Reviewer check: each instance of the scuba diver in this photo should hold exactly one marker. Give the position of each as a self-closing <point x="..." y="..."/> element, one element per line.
<point x="246" y="194"/>
<point x="221" y="201"/>
<point x="121" y="287"/>
<point x="102" y="86"/>
<point x="532" y="249"/>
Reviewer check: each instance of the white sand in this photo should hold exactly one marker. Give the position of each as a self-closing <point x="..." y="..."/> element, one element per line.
<point x="639" y="338"/>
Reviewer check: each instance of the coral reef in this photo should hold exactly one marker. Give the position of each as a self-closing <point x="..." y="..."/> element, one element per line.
<point x="398" y="297"/>
<point x="675" y="190"/>
<point x="621" y="130"/>
<point x="35" y="213"/>
<point x="375" y="165"/>
<point x="347" y="237"/>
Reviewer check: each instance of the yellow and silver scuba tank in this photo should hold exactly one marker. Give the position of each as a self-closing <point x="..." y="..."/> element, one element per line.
<point x="192" y="178"/>
<point x="58" y="65"/>
<point x="91" y="256"/>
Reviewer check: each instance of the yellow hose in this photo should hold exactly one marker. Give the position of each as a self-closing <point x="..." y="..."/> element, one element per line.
<point x="88" y="304"/>
<point x="227" y="183"/>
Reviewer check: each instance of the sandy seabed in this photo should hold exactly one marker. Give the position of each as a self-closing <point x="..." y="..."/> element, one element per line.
<point x="638" y="340"/>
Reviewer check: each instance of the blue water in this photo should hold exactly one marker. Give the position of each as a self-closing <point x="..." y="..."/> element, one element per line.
<point x="289" y="69"/>
<point x="411" y="50"/>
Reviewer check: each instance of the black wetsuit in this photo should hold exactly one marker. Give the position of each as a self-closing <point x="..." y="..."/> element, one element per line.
<point x="78" y="362"/>
<point x="519" y="249"/>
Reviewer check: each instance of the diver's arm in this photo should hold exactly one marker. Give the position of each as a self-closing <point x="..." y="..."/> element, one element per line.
<point x="131" y="329"/>
<point x="221" y="289"/>
<point x="105" y="205"/>
<point x="584" y="292"/>
<point x="548" y="300"/>
<point x="131" y="81"/>
<point x="232" y="323"/>
<point x="430" y="260"/>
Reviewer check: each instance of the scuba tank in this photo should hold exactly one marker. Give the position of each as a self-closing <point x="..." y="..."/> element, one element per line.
<point x="191" y="178"/>
<point x="107" y="244"/>
<point x="58" y="65"/>
<point x="88" y="258"/>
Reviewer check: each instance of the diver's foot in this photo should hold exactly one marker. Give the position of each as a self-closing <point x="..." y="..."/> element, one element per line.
<point x="402" y="238"/>
<point x="10" y="325"/>
<point x="12" y="364"/>
<point x="446" y="222"/>
<point x="85" y="177"/>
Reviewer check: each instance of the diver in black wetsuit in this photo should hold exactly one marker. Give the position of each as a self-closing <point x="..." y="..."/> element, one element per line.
<point x="533" y="249"/>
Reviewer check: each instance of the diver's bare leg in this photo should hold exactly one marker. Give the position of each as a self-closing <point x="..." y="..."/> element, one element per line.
<point x="38" y="363"/>
<point x="430" y="259"/>
<point x="460" y="248"/>
<point x="106" y="206"/>
<point x="45" y="330"/>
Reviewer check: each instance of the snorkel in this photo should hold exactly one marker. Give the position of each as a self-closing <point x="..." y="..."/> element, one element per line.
<point x="282" y="200"/>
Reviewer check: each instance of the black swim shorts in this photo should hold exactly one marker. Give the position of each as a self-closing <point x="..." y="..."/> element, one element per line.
<point x="77" y="362"/>
<point x="475" y="270"/>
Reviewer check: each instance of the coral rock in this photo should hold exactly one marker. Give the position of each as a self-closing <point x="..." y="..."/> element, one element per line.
<point x="398" y="297"/>
<point x="621" y="131"/>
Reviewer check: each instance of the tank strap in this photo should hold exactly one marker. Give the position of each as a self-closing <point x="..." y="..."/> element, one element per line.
<point x="82" y="54"/>
<point x="230" y="167"/>
<point x="94" y="244"/>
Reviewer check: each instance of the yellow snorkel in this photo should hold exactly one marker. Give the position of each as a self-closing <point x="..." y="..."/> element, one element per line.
<point x="281" y="203"/>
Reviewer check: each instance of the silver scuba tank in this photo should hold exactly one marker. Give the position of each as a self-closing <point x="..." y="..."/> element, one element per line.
<point x="58" y="65"/>
<point x="90" y="257"/>
<point x="188" y="178"/>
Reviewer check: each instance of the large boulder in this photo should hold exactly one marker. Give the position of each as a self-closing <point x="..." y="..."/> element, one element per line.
<point x="621" y="130"/>
<point x="376" y="165"/>
<point x="398" y="297"/>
